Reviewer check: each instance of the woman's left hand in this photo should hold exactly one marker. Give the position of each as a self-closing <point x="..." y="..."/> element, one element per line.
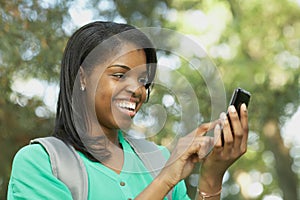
<point x="234" y="146"/>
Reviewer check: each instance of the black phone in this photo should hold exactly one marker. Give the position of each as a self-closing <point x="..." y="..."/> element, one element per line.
<point x="239" y="97"/>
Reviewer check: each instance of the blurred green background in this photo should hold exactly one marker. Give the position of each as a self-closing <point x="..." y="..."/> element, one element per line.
<point x="255" y="44"/>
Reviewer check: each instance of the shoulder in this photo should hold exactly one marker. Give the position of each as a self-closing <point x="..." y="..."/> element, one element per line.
<point x="30" y="153"/>
<point x="165" y="151"/>
<point x="30" y="157"/>
<point x="145" y="146"/>
<point x="35" y="148"/>
<point x="32" y="177"/>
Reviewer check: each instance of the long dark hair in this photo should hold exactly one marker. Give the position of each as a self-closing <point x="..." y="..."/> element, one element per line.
<point x="80" y="45"/>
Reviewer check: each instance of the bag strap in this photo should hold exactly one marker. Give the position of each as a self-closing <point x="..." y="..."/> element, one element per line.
<point x="67" y="165"/>
<point x="150" y="155"/>
<point x="62" y="156"/>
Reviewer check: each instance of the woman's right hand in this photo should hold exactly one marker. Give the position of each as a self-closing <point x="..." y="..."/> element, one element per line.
<point x="189" y="150"/>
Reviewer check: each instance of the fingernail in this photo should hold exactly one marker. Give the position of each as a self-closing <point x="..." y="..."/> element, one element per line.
<point x="217" y="134"/>
<point x="244" y="107"/>
<point x="232" y="109"/>
<point x="223" y="116"/>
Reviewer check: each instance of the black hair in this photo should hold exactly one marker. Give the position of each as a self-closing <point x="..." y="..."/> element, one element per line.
<point x="79" y="47"/>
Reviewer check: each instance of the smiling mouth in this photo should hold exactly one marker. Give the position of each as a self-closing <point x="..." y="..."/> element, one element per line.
<point x="126" y="107"/>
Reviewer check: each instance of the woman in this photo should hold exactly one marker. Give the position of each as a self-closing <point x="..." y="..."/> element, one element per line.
<point x="106" y="75"/>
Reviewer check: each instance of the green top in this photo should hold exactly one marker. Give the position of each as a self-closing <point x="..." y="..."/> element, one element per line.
<point x="32" y="178"/>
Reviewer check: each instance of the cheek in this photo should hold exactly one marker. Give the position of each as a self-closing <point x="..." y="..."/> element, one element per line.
<point x="102" y="105"/>
<point x="144" y="95"/>
<point x="103" y="96"/>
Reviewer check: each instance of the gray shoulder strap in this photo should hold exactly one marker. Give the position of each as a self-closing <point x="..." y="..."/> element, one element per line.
<point x="150" y="155"/>
<point x="67" y="165"/>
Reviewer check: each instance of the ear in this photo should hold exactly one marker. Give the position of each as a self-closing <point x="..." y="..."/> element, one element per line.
<point x="82" y="75"/>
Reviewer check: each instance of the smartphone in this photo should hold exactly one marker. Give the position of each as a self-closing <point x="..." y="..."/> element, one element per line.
<point x="239" y="97"/>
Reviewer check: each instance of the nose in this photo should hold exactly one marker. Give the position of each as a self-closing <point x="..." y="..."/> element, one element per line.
<point x="134" y="86"/>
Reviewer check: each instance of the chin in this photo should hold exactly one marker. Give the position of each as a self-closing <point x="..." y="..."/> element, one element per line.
<point x="122" y="119"/>
<point x="124" y="125"/>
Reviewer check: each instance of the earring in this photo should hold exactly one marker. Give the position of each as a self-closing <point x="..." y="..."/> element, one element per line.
<point x="82" y="88"/>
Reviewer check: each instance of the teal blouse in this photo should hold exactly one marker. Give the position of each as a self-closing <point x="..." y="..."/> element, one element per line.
<point x="32" y="178"/>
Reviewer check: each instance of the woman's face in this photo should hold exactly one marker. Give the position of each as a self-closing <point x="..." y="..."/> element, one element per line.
<point x="120" y="90"/>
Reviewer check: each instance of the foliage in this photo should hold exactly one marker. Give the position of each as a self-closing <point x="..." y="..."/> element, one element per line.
<point x="255" y="45"/>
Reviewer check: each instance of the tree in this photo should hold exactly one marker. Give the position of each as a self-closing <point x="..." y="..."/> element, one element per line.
<point x="31" y="45"/>
<point x="254" y="44"/>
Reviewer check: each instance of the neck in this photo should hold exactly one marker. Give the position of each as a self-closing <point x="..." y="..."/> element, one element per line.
<point x="111" y="134"/>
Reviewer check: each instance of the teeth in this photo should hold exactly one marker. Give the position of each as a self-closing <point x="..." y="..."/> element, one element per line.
<point x="126" y="105"/>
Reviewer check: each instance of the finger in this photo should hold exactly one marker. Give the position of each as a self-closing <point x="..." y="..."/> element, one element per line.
<point x="237" y="130"/>
<point x="195" y="158"/>
<point x="204" y="128"/>
<point x="244" y="124"/>
<point x="197" y="146"/>
<point x="228" y="138"/>
<point x="217" y="136"/>
<point x="244" y="117"/>
<point x="185" y="149"/>
<point x="206" y="144"/>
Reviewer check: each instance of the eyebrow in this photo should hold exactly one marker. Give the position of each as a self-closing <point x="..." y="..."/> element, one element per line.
<point x="122" y="66"/>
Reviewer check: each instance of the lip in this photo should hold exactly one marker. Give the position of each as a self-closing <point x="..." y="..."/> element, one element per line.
<point x="130" y="113"/>
<point x="128" y="98"/>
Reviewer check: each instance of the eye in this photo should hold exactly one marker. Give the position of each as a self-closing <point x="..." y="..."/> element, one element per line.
<point x="119" y="75"/>
<point x="143" y="80"/>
